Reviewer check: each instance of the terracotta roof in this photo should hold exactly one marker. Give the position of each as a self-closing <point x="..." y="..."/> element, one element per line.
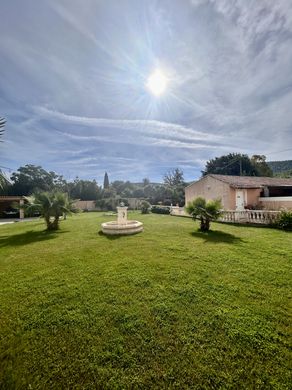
<point x="253" y="181"/>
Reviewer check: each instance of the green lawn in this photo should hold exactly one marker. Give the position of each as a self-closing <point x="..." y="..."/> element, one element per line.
<point x="168" y="308"/>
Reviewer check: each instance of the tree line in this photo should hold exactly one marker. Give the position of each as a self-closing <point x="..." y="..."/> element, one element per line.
<point x="31" y="179"/>
<point x="238" y="165"/>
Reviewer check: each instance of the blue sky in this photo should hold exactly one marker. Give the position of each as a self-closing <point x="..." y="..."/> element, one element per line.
<point x="73" y="75"/>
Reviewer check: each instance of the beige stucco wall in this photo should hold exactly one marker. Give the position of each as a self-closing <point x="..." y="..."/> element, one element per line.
<point x="210" y="188"/>
<point x="85" y="204"/>
<point x="252" y="196"/>
<point x="276" y="204"/>
<point x="232" y="199"/>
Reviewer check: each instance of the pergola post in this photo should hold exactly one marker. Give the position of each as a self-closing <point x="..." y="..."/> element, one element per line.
<point x="21" y="210"/>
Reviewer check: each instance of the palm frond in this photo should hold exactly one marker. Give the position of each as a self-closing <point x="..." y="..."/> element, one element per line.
<point x="3" y="180"/>
<point x="2" y="124"/>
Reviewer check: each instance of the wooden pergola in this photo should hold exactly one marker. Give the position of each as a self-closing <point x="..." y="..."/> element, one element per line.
<point x="6" y="201"/>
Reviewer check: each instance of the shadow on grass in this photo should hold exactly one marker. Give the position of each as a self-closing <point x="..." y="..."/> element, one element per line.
<point x="28" y="238"/>
<point x="247" y="225"/>
<point x="217" y="236"/>
<point x="108" y="236"/>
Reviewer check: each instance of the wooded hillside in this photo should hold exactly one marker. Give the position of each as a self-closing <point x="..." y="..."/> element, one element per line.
<point x="280" y="166"/>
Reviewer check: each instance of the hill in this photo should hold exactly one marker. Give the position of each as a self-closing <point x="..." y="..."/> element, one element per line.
<point x="280" y="166"/>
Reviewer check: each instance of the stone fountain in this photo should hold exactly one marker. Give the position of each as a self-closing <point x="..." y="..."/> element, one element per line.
<point x="122" y="226"/>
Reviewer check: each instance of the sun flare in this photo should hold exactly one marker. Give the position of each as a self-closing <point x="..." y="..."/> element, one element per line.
<point x="157" y="82"/>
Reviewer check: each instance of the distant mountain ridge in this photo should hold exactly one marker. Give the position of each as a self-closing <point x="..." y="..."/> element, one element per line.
<point x="280" y="166"/>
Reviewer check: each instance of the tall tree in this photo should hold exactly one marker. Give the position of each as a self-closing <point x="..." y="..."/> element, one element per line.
<point x="231" y="164"/>
<point x="262" y="168"/>
<point x="174" y="187"/>
<point x="29" y="179"/>
<point x="84" y="189"/>
<point x="174" y="177"/>
<point x="105" y="181"/>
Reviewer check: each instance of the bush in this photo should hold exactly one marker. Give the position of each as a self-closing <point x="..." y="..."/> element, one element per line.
<point x="145" y="207"/>
<point x="110" y="204"/>
<point x="284" y="220"/>
<point x="205" y="211"/>
<point x="160" y="209"/>
<point x="106" y="204"/>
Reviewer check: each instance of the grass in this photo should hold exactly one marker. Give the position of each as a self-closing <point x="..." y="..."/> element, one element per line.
<point x="168" y="308"/>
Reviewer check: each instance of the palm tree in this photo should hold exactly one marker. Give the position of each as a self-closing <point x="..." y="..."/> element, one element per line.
<point x="2" y="124"/>
<point x="51" y="206"/>
<point x="3" y="180"/>
<point x="204" y="211"/>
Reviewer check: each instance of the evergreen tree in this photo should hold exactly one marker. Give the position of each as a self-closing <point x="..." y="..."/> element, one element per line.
<point x="29" y="179"/>
<point x="231" y="164"/>
<point x="105" y="181"/>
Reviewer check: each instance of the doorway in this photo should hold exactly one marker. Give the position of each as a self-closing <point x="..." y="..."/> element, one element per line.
<point x="239" y="203"/>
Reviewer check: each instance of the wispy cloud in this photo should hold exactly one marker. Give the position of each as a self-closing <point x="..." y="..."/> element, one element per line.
<point x="146" y="127"/>
<point x="72" y="84"/>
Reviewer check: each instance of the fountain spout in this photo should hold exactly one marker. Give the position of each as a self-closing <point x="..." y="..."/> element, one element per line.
<point x="122" y="215"/>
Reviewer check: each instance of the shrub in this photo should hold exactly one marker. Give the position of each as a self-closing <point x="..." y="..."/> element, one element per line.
<point x="51" y="205"/>
<point x="104" y="204"/>
<point x="160" y="209"/>
<point x="145" y="207"/>
<point x="204" y="211"/>
<point x="284" y="220"/>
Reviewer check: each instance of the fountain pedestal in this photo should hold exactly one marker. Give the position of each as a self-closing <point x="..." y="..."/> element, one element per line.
<point x="122" y="226"/>
<point x="122" y="215"/>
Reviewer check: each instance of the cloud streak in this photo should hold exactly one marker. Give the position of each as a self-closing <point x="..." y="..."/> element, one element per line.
<point x="72" y="84"/>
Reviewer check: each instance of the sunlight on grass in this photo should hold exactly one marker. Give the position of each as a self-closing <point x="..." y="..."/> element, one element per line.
<point x="168" y="308"/>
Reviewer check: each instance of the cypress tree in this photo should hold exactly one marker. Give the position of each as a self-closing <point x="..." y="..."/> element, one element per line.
<point x="105" y="181"/>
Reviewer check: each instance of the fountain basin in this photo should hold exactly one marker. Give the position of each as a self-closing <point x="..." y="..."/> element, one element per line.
<point x="128" y="227"/>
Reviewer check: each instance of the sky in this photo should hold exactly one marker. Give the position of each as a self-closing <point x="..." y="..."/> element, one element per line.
<point x="73" y="84"/>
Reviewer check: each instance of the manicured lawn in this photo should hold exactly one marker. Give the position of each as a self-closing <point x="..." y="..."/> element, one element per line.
<point x="168" y="308"/>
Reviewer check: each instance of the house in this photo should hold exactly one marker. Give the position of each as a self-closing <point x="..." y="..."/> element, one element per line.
<point x="243" y="192"/>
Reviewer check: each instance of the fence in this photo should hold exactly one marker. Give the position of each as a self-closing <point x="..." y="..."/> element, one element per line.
<point x="263" y="217"/>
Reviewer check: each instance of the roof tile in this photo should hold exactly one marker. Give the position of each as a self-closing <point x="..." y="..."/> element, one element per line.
<point x="252" y="181"/>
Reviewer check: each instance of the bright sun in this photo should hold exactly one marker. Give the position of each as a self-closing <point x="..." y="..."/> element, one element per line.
<point x="157" y="82"/>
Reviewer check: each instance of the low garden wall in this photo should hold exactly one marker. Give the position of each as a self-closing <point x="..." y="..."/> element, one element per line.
<point x="276" y="203"/>
<point x="263" y="217"/>
<point x="85" y="204"/>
